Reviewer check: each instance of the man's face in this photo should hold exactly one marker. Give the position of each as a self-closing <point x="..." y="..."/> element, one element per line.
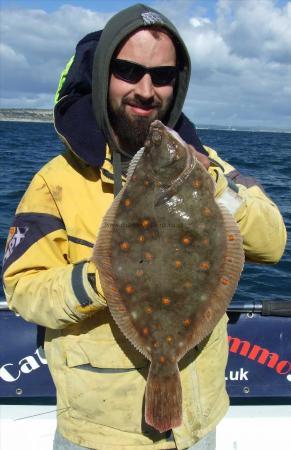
<point x="133" y="106"/>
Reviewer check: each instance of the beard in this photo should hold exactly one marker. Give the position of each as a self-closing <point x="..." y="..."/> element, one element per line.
<point x="132" y="130"/>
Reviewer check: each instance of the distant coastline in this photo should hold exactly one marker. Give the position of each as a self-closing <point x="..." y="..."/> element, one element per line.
<point x="46" y="115"/>
<point x="26" y="115"/>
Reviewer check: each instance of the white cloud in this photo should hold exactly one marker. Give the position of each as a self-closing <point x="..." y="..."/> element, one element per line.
<point x="256" y="29"/>
<point x="241" y="56"/>
<point x="197" y="22"/>
<point x="241" y="63"/>
<point x="35" y="48"/>
<point x="9" y="56"/>
<point x="33" y="100"/>
<point x="12" y="63"/>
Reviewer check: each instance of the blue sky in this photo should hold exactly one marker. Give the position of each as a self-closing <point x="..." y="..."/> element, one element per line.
<point x="105" y="6"/>
<point x="240" y="52"/>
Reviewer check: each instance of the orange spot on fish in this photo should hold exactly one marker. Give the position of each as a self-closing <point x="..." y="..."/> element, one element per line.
<point x="124" y="246"/>
<point x="148" y="309"/>
<point x="145" y="331"/>
<point x="205" y="242"/>
<point x="224" y="281"/>
<point x="231" y="237"/>
<point x="169" y="339"/>
<point x="146" y="183"/>
<point x="197" y="184"/>
<point x="148" y="256"/>
<point x="145" y="223"/>
<point x="186" y="240"/>
<point x="139" y="273"/>
<point x="127" y="202"/>
<point x="206" y="212"/>
<point x="141" y="238"/>
<point x="162" y="359"/>
<point x="204" y="265"/>
<point x="129" y="289"/>
<point x="166" y="301"/>
<point x="178" y="264"/>
<point x="186" y="322"/>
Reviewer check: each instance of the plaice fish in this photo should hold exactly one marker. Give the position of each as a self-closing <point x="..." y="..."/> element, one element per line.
<point x="169" y="259"/>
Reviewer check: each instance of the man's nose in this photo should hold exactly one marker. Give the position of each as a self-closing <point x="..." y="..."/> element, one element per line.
<point x="144" y="87"/>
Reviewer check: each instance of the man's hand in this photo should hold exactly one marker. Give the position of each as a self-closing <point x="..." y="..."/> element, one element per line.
<point x="215" y="172"/>
<point x="203" y="159"/>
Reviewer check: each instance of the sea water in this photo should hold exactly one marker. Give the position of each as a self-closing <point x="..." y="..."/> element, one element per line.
<point x="27" y="146"/>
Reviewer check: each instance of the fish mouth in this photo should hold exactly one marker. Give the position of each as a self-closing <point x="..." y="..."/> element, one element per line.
<point x="155" y="135"/>
<point x="157" y="124"/>
<point x="156" y="132"/>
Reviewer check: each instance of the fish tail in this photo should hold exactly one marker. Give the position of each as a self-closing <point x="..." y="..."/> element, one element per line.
<point x="163" y="400"/>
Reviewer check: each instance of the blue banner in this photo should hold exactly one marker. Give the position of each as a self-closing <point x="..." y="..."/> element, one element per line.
<point x="259" y="358"/>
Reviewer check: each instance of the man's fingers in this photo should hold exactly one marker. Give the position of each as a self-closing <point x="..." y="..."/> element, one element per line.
<point x="203" y="159"/>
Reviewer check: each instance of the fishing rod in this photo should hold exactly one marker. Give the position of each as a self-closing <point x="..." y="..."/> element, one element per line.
<point x="264" y="307"/>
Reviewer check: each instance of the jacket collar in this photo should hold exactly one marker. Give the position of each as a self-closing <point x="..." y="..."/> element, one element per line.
<point x="107" y="171"/>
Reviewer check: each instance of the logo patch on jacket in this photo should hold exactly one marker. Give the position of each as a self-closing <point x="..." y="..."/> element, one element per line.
<point x="150" y="18"/>
<point x="15" y="237"/>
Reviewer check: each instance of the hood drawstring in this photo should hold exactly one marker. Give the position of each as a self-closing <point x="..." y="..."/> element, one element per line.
<point x="121" y="161"/>
<point x="117" y="172"/>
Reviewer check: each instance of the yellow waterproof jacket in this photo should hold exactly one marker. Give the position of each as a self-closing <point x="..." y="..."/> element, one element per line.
<point x="100" y="377"/>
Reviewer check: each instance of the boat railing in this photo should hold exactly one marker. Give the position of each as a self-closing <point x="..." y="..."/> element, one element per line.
<point x="278" y="307"/>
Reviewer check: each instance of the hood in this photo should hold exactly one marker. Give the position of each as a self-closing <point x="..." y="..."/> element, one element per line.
<point x="116" y="30"/>
<point x="74" y="118"/>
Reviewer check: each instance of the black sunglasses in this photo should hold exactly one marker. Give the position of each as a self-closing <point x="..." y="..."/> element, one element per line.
<point x="132" y="72"/>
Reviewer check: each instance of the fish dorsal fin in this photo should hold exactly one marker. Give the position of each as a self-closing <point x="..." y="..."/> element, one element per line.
<point x="102" y="258"/>
<point x="228" y="277"/>
<point x="134" y="161"/>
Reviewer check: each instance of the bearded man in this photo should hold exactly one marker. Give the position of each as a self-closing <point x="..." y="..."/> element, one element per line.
<point x="141" y="72"/>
